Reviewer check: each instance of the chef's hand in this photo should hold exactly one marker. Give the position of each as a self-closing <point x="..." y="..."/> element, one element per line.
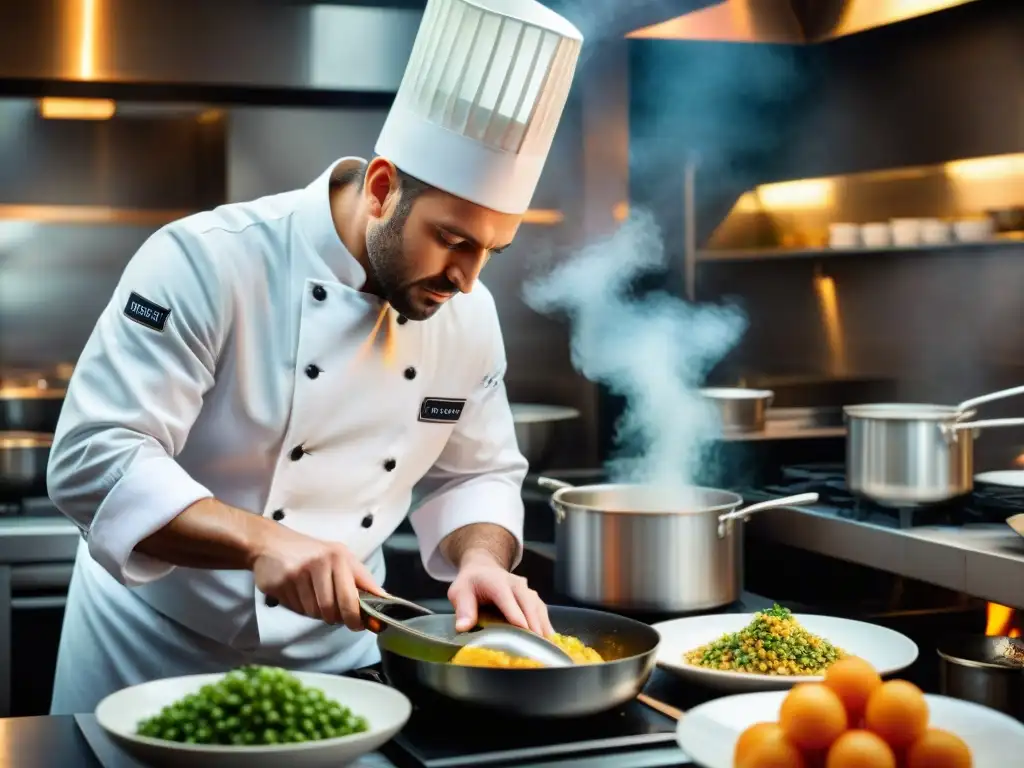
<point x="315" y="578"/>
<point x="482" y="579"/>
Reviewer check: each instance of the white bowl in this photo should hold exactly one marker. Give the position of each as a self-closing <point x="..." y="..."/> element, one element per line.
<point x="708" y="733"/>
<point x="905" y="232"/>
<point x="877" y="234"/>
<point x="886" y="650"/>
<point x="385" y="709"/>
<point x="973" y="230"/>
<point x="843" y="234"/>
<point x="935" y="231"/>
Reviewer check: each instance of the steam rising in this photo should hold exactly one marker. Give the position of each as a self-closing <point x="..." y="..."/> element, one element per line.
<point x="654" y="350"/>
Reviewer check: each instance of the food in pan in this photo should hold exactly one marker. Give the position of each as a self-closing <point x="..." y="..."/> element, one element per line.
<point x="253" y="705"/>
<point x="851" y="720"/>
<point x="1010" y="651"/>
<point x="485" y="657"/>
<point x="773" y="643"/>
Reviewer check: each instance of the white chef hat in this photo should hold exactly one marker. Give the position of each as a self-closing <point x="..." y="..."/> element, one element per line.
<point x="481" y="98"/>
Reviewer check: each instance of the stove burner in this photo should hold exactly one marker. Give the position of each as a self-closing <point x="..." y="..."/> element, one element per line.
<point x="988" y="503"/>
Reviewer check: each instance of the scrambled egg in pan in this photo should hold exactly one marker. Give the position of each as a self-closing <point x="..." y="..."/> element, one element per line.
<point x="485" y="657"/>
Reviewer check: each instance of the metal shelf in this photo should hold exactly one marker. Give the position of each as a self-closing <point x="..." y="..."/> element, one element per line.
<point x="761" y="254"/>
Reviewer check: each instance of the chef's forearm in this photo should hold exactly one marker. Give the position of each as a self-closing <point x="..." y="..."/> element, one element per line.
<point x="480" y="540"/>
<point x="211" y="535"/>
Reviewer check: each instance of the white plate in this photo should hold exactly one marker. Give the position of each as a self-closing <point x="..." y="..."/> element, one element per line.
<point x="708" y="733"/>
<point x="385" y="709"/>
<point x="1011" y="478"/>
<point x="886" y="650"/>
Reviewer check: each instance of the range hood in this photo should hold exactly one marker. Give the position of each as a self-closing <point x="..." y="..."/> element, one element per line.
<point x="790" y="22"/>
<point x="204" y="50"/>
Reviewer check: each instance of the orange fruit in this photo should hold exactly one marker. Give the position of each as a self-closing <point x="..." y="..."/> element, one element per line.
<point x="936" y="748"/>
<point x="860" y="749"/>
<point x="770" y="749"/>
<point x="897" y="711"/>
<point x="812" y="716"/>
<point x="854" y="680"/>
<point x="751" y="736"/>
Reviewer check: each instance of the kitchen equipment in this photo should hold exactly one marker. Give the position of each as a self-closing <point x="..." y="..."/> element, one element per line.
<point x="1007" y="219"/>
<point x="741" y="410"/>
<point x="973" y="230"/>
<point x="23" y="458"/>
<point x="573" y="691"/>
<point x="29" y="405"/>
<point x="935" y="232"/>
<point x="906" y="233"/>
<point x="496" y="635"/>
<point x="535" y="426"/>
<point x="639" y="547"/>
<point x="385" y="709"/>
<point x="876" y="234"/>
<point x="709" y="732"/>
<point x="905" y="454"/>
<point x="973" y="668"/>
<point x="887" y="650"/>
<point x="843" y="234"/>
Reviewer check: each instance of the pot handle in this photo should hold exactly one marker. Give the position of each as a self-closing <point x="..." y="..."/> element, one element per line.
<point x="974" y="402"/>
<point x="950" y="431"/>
<point x="725" y="521"/>
<point x="555" y="485"/>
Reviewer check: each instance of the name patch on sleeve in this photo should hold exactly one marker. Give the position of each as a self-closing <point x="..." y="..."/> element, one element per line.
<point x="145" y="312"/>
<point x="441" y="410"/>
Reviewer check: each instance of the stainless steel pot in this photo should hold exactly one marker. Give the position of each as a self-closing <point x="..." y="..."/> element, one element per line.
<point x="30" y="408"/>
<point x="535" y="425"/>
<point x="972" y="668"/>
<point x="23" y="459"/>
<point x="741" y="410"/>
<point x="641" y="548"/>
<point x="907" y="454"/>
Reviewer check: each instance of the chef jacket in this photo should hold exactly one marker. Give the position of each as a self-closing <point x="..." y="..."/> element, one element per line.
<point x="226" y="365"/>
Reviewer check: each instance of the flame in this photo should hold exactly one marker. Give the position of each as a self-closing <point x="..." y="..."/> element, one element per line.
<point x="1000" y="621"/>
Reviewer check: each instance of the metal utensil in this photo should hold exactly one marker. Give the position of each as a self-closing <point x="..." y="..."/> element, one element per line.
<point x="493" y="635"/>
<point x="644" y="548"/>
<point x="741" y="410"/>
<point x="907" y="454"/>
<point x="629" y="648"/>
<point x="973" y="668"/>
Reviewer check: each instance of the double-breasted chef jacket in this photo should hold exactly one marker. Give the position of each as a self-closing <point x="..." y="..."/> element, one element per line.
<point x="227" y="364"/>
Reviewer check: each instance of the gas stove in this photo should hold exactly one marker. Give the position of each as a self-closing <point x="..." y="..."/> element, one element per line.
<point x="633" y="736"/>
<point x="986" y="504"/>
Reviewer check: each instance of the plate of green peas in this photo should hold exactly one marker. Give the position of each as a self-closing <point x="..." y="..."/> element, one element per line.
<point x="774" y="649"/>
<point x="253" y="717"/>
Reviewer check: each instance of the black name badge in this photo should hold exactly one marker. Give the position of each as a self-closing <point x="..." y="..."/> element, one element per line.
<point x="146" y="312"/>
<point x="441" y="410"/>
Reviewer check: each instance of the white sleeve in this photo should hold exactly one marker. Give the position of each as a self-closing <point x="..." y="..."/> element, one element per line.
<point x="479" y="475"/>
<point x="135" y="393"/>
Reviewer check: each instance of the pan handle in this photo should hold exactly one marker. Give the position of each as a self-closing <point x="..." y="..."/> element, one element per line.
<point x="974" y="402"/>
<point x="725" y="521"/>
<point x="950" y="431"/>
<point x="555" y="485"/>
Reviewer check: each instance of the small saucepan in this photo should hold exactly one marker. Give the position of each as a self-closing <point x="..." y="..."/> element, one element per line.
<point x="906" y="454"/>
<point x="741" y="410"/>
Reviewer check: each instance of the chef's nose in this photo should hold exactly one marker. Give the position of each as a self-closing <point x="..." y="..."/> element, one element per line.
<point x="464" y="271"/>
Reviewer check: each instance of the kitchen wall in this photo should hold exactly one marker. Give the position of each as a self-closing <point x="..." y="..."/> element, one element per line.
<point x="944" y="325"/>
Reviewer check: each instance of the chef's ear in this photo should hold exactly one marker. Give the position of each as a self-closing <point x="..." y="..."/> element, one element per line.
<point x="381" y="186"/>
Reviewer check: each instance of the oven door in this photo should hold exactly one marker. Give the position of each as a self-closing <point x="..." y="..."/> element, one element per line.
<point x="32" y="599"/>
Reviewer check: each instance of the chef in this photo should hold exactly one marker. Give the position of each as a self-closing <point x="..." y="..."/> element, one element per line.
<point x="273" y="380"/>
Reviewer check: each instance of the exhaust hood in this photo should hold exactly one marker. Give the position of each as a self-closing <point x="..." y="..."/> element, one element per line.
<point x="204" y="50"/>
<point x="788" y="21"/>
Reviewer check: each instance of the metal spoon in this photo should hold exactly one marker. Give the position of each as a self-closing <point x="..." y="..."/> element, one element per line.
<point x="494" y="636"/>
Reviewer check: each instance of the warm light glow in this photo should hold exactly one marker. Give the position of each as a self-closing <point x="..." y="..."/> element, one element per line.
<point x="999" y="621"/>
<point x="828" y="305"/>
<point x="796" y="195"/>
<point x="89" y="214"/>
<point x="77" y="109"/>
<point x="735" y="21"/>
<point x="87" y="42"/>
<point x="1019" y="461"/>
<point x="542" y="216"/>
<point x="986" y="168"/>
<point x="621" y="211"/>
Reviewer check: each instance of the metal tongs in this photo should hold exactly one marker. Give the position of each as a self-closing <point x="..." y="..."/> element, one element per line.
<point x="495" y="636"/>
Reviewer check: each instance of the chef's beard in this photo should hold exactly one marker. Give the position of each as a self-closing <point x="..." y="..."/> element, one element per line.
<point x="389" y="267"/>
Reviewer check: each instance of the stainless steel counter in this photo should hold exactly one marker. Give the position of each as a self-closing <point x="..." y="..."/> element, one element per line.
<point x="37" y="540"/>
<point x="984" y="560"/>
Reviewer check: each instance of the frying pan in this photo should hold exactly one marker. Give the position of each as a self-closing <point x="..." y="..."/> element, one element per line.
<point x="576" y="691"/>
